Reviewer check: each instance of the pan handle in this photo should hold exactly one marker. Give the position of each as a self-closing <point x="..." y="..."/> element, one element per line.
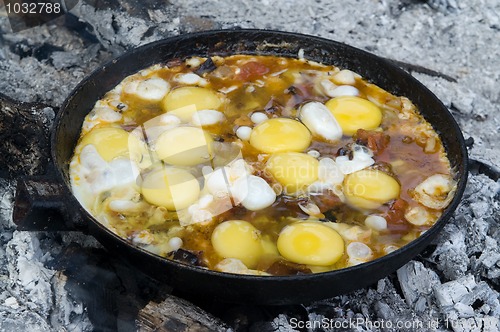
<point x="42" y="203"/>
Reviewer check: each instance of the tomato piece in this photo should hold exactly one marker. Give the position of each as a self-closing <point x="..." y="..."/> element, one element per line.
<point x="252" y="70"/>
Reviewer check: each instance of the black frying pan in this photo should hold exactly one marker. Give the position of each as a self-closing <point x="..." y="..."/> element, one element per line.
<point x="241" y="288"/>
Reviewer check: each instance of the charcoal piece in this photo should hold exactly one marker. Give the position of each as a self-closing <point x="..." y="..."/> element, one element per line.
<point x="44" y="51"/>
<point x="84" y="30"/>
<point x="206" y="67"/>
<point x="469" y="142"/>
<point x="104" y="4"/>
<point x="22" y="49"/>
<point x="329" y="216"/>
<point x="292" y="90"/>
<point x="416" y="281"/>
<point x="187" y="257"/>
<point x="39" y="51"/>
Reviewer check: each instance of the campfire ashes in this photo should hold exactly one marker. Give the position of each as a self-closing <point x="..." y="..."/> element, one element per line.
<point x="53" y="280"/>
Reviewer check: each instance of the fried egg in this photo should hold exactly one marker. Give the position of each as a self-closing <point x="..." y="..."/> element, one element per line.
<point x="369" y="188"/>
<point x="280" y="135"/>
<point x="184" y="146"/>
<point x="310" y="243"/>
<point x="170" y="187"/>
<point x="353" y="113"/>
<point x="293" y="170"/>
<point x="183" y="102"/>
<point x="91" y="175"/>
<point x="238" y="239"/>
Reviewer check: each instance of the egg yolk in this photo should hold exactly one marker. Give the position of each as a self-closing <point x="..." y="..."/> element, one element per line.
<point x="293" y="170"/>
<point x="238" y="239"/>
<point x="184" y="102"/>
<point x="170" y="187"/>
<point x="280" y="135"/>
<point x="368" y="189"/>
<point x="310" y="243"/>
<point x="184" y="146"/>
<point x="114" y="142"/>
<point x="353" y="113"/>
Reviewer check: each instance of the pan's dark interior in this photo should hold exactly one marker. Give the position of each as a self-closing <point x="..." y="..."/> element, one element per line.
<point x="273" y="290"/>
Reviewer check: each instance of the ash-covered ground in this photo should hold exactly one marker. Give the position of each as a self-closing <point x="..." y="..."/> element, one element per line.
<point x="452" y="46"/>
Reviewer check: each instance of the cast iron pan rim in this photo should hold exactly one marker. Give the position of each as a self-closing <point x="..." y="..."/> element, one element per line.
<point x="371" y="264"/>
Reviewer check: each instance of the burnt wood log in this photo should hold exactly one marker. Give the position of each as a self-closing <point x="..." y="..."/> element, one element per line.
<point x="41" y="201"/>
<point x="24" y="137"/>
<point x="176" y="315"/>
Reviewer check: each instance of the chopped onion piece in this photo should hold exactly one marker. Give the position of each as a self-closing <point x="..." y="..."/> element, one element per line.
<point x="207" y="117"/>
<point x="435" y="192"/>
<point x="244" y="133"/>
<point x="258" y="117"/>
<point x="359" y="250"/>
<point x="191" y="79"/>
<point x="320" y="121"/>
<point x="344" y="90"/>
<point x="253" y="192"/>
<point x="377" y="223"/>
<point x="175" y="243"/>
<point x="418" y="216"/>
<point x="344" y="77"/>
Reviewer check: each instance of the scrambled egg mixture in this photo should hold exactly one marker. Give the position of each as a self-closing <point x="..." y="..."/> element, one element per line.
<point x="260" y="165"/>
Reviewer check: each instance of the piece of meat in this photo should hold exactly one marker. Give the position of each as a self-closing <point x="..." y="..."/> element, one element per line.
<point x="285" y="268"/>
<point x="396" y="212"/>
<point x="174" y="62"/>
<point x="326" y="201"/>
<point x="374" y="140"/>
